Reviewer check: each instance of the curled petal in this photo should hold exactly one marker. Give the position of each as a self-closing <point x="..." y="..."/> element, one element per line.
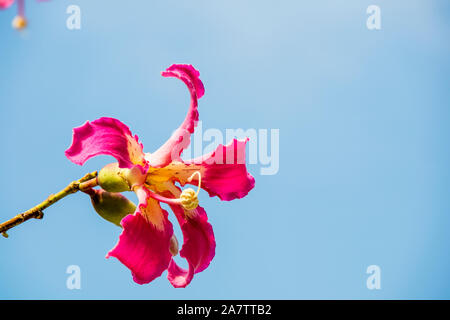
<point x="198" y="247"/>
<point x="143" y="247"/>
<point x="106" y="136"/>
<point x="180" y="139"/>
<point x="189" y="75"/>
<point x="178" y="276"/>
<point x="6" y="3"/>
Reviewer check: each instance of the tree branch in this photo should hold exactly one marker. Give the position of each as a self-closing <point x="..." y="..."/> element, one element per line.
<point x="83" y="184"/>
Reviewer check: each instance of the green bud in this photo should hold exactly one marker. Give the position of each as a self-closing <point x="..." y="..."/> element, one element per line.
<point x="112" y="178"/>
<point x="111" y="206"/>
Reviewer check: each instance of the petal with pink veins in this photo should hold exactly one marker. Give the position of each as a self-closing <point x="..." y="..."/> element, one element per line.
<point x="180" y="139"/>
<point x="143" y="246"/>
<point x="106" y="136"/>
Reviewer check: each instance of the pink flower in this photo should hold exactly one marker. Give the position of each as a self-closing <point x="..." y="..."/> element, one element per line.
<point x="6" y="3"/>
<point x="147" y="243"/>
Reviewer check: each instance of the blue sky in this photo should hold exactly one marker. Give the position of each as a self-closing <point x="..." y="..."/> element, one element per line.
<point x="363" y="119"/>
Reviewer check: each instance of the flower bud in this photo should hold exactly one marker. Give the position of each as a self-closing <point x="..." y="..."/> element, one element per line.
<point x="19" y="23"/>
<point x="111" y="178"/>
<point x="111" y="206"/>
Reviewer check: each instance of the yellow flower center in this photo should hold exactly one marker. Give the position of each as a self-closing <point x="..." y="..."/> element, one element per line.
<point x="189" y="198"/>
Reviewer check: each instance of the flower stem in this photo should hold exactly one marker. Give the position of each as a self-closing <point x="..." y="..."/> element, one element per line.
<point x="21" y="8"/>
<point x="85" y="183"/>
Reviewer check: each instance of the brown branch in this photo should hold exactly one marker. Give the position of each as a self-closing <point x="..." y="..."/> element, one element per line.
<point x="83" y="184"/>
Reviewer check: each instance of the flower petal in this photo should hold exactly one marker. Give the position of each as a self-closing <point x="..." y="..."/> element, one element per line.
<point x="6" y="3"/>
<point x="180" y="139"/>
<point x="106" y="136"/>
<point x="143" y="246"/>
<point x="179" y="277"/>
<point x="224" y="173"/>
<point x="198" y="248"/>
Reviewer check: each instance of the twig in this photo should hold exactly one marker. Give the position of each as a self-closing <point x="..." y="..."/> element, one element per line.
<point x="83" y="184"/>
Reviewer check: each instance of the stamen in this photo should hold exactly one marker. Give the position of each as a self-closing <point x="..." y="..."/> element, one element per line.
<point x="21" y="8"/>
<point x="188" y="198"/>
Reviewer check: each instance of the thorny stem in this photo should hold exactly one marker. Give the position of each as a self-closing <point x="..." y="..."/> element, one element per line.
<point x="83" y="184"/>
